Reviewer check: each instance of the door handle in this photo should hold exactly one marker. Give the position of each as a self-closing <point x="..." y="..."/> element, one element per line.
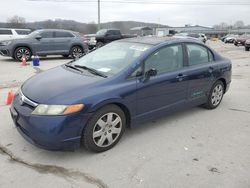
<point x="211" y="69"/>
<point x="180" y="77"/>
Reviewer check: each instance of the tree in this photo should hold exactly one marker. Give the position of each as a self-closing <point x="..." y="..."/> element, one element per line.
<point x="239" y="24"/>
<point x="16" y="22"/>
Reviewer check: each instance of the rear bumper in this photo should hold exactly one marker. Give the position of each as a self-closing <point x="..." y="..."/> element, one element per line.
<point x="49" y="132"/>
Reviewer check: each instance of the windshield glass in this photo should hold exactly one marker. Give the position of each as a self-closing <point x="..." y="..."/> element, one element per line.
<point x="101" y="32"/>
<point x="33" y="34"/>
<point x="113" y="57"/>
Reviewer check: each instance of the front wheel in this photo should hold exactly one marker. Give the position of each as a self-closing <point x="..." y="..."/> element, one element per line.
<point x="215" y="95"/>
<point x="105" y="129"/>
<point x="246" y="48"/>
<point x="22" y="51"/>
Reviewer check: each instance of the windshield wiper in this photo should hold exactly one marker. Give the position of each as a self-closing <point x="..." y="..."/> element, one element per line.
<point x="72" y="67"/>
<point x="91" y="70"/>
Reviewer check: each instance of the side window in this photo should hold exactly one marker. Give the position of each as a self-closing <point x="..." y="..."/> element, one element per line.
<point x="63" y="34"/>
<point x="166" y="59"/>
<point x="197" y="54"/>
<point x="5" y="32"/>
<point x="47" y="34"/>
<point x="22" y="32"/>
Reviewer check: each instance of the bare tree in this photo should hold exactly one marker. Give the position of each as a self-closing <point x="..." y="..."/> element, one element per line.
<point x="16" y="22"/>
<point x="239" y="24"/>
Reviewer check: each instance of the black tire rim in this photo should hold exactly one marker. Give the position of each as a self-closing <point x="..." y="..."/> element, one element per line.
<point x="23" y="52"/>
<point x="77" y="52"/>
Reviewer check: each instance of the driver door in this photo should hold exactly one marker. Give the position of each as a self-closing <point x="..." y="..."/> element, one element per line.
<point x="168" y="89"/>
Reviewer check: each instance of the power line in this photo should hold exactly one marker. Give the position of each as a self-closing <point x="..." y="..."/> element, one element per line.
<point x="224" y="3"/>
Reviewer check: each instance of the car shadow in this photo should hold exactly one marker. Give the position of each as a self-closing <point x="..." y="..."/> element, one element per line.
<point x="145" y="128"/>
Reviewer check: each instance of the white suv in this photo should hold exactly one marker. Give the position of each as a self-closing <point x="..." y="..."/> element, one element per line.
<point x="8" y="33"/>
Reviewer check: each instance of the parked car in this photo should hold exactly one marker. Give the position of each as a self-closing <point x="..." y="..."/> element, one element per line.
<point x="105" y="36"/>
<point x="201" y="37"/>
<point x="8" y="33"/>
<point x="91" y="40"/>
<point x="247" y="45"/>
<point x="240" y="40"/>
<point x="230" y="38"/>
<point x="93" y="99"/>
<point x="45" y="42"/>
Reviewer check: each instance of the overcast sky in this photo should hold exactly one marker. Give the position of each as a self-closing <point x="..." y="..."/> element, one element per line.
<point x="173" y="15"/>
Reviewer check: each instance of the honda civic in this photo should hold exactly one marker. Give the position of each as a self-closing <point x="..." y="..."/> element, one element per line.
<point x="91" y="101"/>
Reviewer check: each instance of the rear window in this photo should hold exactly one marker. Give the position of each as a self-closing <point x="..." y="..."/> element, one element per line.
<point x="22" y="32"/>
<point x="63" y="34"/>
<point x="5" y="32"/>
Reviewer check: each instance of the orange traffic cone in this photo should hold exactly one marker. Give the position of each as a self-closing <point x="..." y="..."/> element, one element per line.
<point x="10" y="97"/>
<point x="24" y="60"/>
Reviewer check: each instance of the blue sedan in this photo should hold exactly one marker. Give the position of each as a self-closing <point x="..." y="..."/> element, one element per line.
<point x="92" y="100"/>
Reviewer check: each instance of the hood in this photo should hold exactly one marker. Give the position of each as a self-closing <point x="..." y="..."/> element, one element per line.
<point x="59" y="86"/>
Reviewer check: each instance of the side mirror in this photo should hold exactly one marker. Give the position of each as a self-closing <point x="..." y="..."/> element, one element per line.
<point x="38" y="37"/>
<point x="150" y="73"/>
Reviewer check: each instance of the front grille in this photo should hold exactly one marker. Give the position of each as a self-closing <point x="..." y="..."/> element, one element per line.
<point x="26" y="101"/>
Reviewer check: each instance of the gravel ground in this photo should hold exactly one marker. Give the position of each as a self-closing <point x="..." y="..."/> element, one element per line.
<point x="193" y="148"/>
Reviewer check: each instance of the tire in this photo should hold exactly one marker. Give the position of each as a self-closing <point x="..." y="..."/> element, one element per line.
<point x="246" y="49"/>
<point x="215" y="95"/>
<point x="99" y="44"/>
<point x="99" y="135"/>
<point x="20" y="51"/>
<point x="76" y="52"/>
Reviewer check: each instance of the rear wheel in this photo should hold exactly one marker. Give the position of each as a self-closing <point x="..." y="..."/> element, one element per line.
<point x="105" y="129"/>
<point x="76" y="52"/>
<point x="215" y="95"/>
<point x="22" y="51"/>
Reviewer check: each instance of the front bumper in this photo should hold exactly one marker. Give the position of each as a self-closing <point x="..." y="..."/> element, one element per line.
<point x="48" y="132"/>
<point x="4" y="51"/>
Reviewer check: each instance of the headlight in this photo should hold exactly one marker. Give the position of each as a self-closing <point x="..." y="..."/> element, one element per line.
<point x="50" y="110"/>
<point x="5" y="43"/>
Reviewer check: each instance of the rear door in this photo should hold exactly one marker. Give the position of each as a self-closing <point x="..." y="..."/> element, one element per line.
<point x="166" y="90"/>
<point x="202" y="70"/>
<point x="63" y="41"/>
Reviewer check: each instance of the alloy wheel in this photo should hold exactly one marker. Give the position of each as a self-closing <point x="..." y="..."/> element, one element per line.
<point x="23" y="52"/>
<point x="217" y="95"/>
<point x="107" y="129"/>
<point x="77" y="52"/>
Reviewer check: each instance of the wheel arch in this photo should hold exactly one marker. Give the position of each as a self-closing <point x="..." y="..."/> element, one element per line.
<point x="21" y="45"/>
<point x="118" y="103"/>
<point x="223" y="80"/>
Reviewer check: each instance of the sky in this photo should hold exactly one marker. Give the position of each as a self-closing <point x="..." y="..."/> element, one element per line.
<point x="168" y="14"/>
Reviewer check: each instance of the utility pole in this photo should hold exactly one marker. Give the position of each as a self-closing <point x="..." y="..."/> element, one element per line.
<point x="99" y="17"/>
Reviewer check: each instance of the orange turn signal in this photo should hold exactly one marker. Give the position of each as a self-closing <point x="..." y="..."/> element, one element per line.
<point x="73" y="108"/>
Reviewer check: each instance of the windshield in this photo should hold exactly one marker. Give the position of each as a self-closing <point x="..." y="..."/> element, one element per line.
<point x="101" y="32"/>
<point x="113" y="57"/>
<point x="33" y="34"/>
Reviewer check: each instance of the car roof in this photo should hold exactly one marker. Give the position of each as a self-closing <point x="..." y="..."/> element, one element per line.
<point x="159" y="40"/>
<point x="14" y="29"/>
<point x="56" y="30"/>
